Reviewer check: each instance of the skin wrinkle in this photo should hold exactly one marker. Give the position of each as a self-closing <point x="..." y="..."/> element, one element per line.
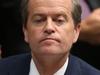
<point x="60" y="4"/>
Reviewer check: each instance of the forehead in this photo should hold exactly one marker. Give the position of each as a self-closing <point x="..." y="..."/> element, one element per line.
<point x="62" y="4"/>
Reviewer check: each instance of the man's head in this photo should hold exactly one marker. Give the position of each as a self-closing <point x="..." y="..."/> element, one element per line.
<point x="50" y="25"/>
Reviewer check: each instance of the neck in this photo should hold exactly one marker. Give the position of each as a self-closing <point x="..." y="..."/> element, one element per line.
<point x="49" y="64"/>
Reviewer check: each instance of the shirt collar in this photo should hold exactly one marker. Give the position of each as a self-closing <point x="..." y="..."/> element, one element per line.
<point x="34" y="71"/>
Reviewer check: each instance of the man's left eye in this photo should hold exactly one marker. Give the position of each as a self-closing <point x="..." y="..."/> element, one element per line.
<point x="60" y="20"/>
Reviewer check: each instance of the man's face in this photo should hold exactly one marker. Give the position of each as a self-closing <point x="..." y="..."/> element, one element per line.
<point x="50" y="28"/>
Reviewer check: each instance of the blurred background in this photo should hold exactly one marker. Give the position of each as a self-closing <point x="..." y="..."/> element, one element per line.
<point x="11" y="35"/>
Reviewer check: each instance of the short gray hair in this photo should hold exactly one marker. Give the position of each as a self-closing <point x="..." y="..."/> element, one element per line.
<point x="76" y="11"/>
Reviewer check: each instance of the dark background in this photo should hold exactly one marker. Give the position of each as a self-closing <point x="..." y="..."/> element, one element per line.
<point x="11" y="35"/>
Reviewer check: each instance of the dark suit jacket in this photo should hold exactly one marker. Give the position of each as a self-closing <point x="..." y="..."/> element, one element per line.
<point x="20" y="65"/>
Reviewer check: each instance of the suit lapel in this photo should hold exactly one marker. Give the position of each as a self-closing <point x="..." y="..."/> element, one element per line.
<point x="73" y="67"/>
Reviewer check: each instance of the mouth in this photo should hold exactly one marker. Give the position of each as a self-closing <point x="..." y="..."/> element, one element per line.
<point x="50" y="39"/>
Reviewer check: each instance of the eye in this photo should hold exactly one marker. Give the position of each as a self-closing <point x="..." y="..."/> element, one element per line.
<point x="60" y="20"/>
<point x="38" y="19"/>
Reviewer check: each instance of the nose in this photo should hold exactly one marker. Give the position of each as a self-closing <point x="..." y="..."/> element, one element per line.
<point x="49" y="27"/>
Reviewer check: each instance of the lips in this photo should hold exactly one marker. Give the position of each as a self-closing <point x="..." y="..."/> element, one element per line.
<point x="50" y="39"/>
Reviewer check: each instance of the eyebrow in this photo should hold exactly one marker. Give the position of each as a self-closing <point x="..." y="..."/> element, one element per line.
<point x="37" y="14"/>
<point x="64" y="15"/>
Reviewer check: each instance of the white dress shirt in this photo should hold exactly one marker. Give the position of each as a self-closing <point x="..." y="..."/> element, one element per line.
<point x="34" y="71"/>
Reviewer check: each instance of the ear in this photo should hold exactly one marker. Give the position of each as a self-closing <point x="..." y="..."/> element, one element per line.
<point x="76" y="33"/>
<point x="25" y="34"/>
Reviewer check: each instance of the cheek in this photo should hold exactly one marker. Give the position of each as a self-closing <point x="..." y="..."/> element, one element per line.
<point x="67" y="36"/>
<point x="67" y="39"/>
<point x="33" y="35"/>
<point x="33" y="39"/>
<point x="68" y="33"/>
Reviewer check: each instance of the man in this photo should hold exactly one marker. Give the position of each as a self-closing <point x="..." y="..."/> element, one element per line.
<point x="50" y="28"/>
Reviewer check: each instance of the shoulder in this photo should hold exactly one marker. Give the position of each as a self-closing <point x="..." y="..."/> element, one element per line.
<point x="14" y="61"/>
<point x="15" y="58"/>
<point x="84" y="67"/>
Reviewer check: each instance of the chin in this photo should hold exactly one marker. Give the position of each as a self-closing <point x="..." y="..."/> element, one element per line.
<point x="50" y="50"/>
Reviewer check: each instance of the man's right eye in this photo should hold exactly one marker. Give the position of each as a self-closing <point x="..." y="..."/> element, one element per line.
<point x="38" y="19"/>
